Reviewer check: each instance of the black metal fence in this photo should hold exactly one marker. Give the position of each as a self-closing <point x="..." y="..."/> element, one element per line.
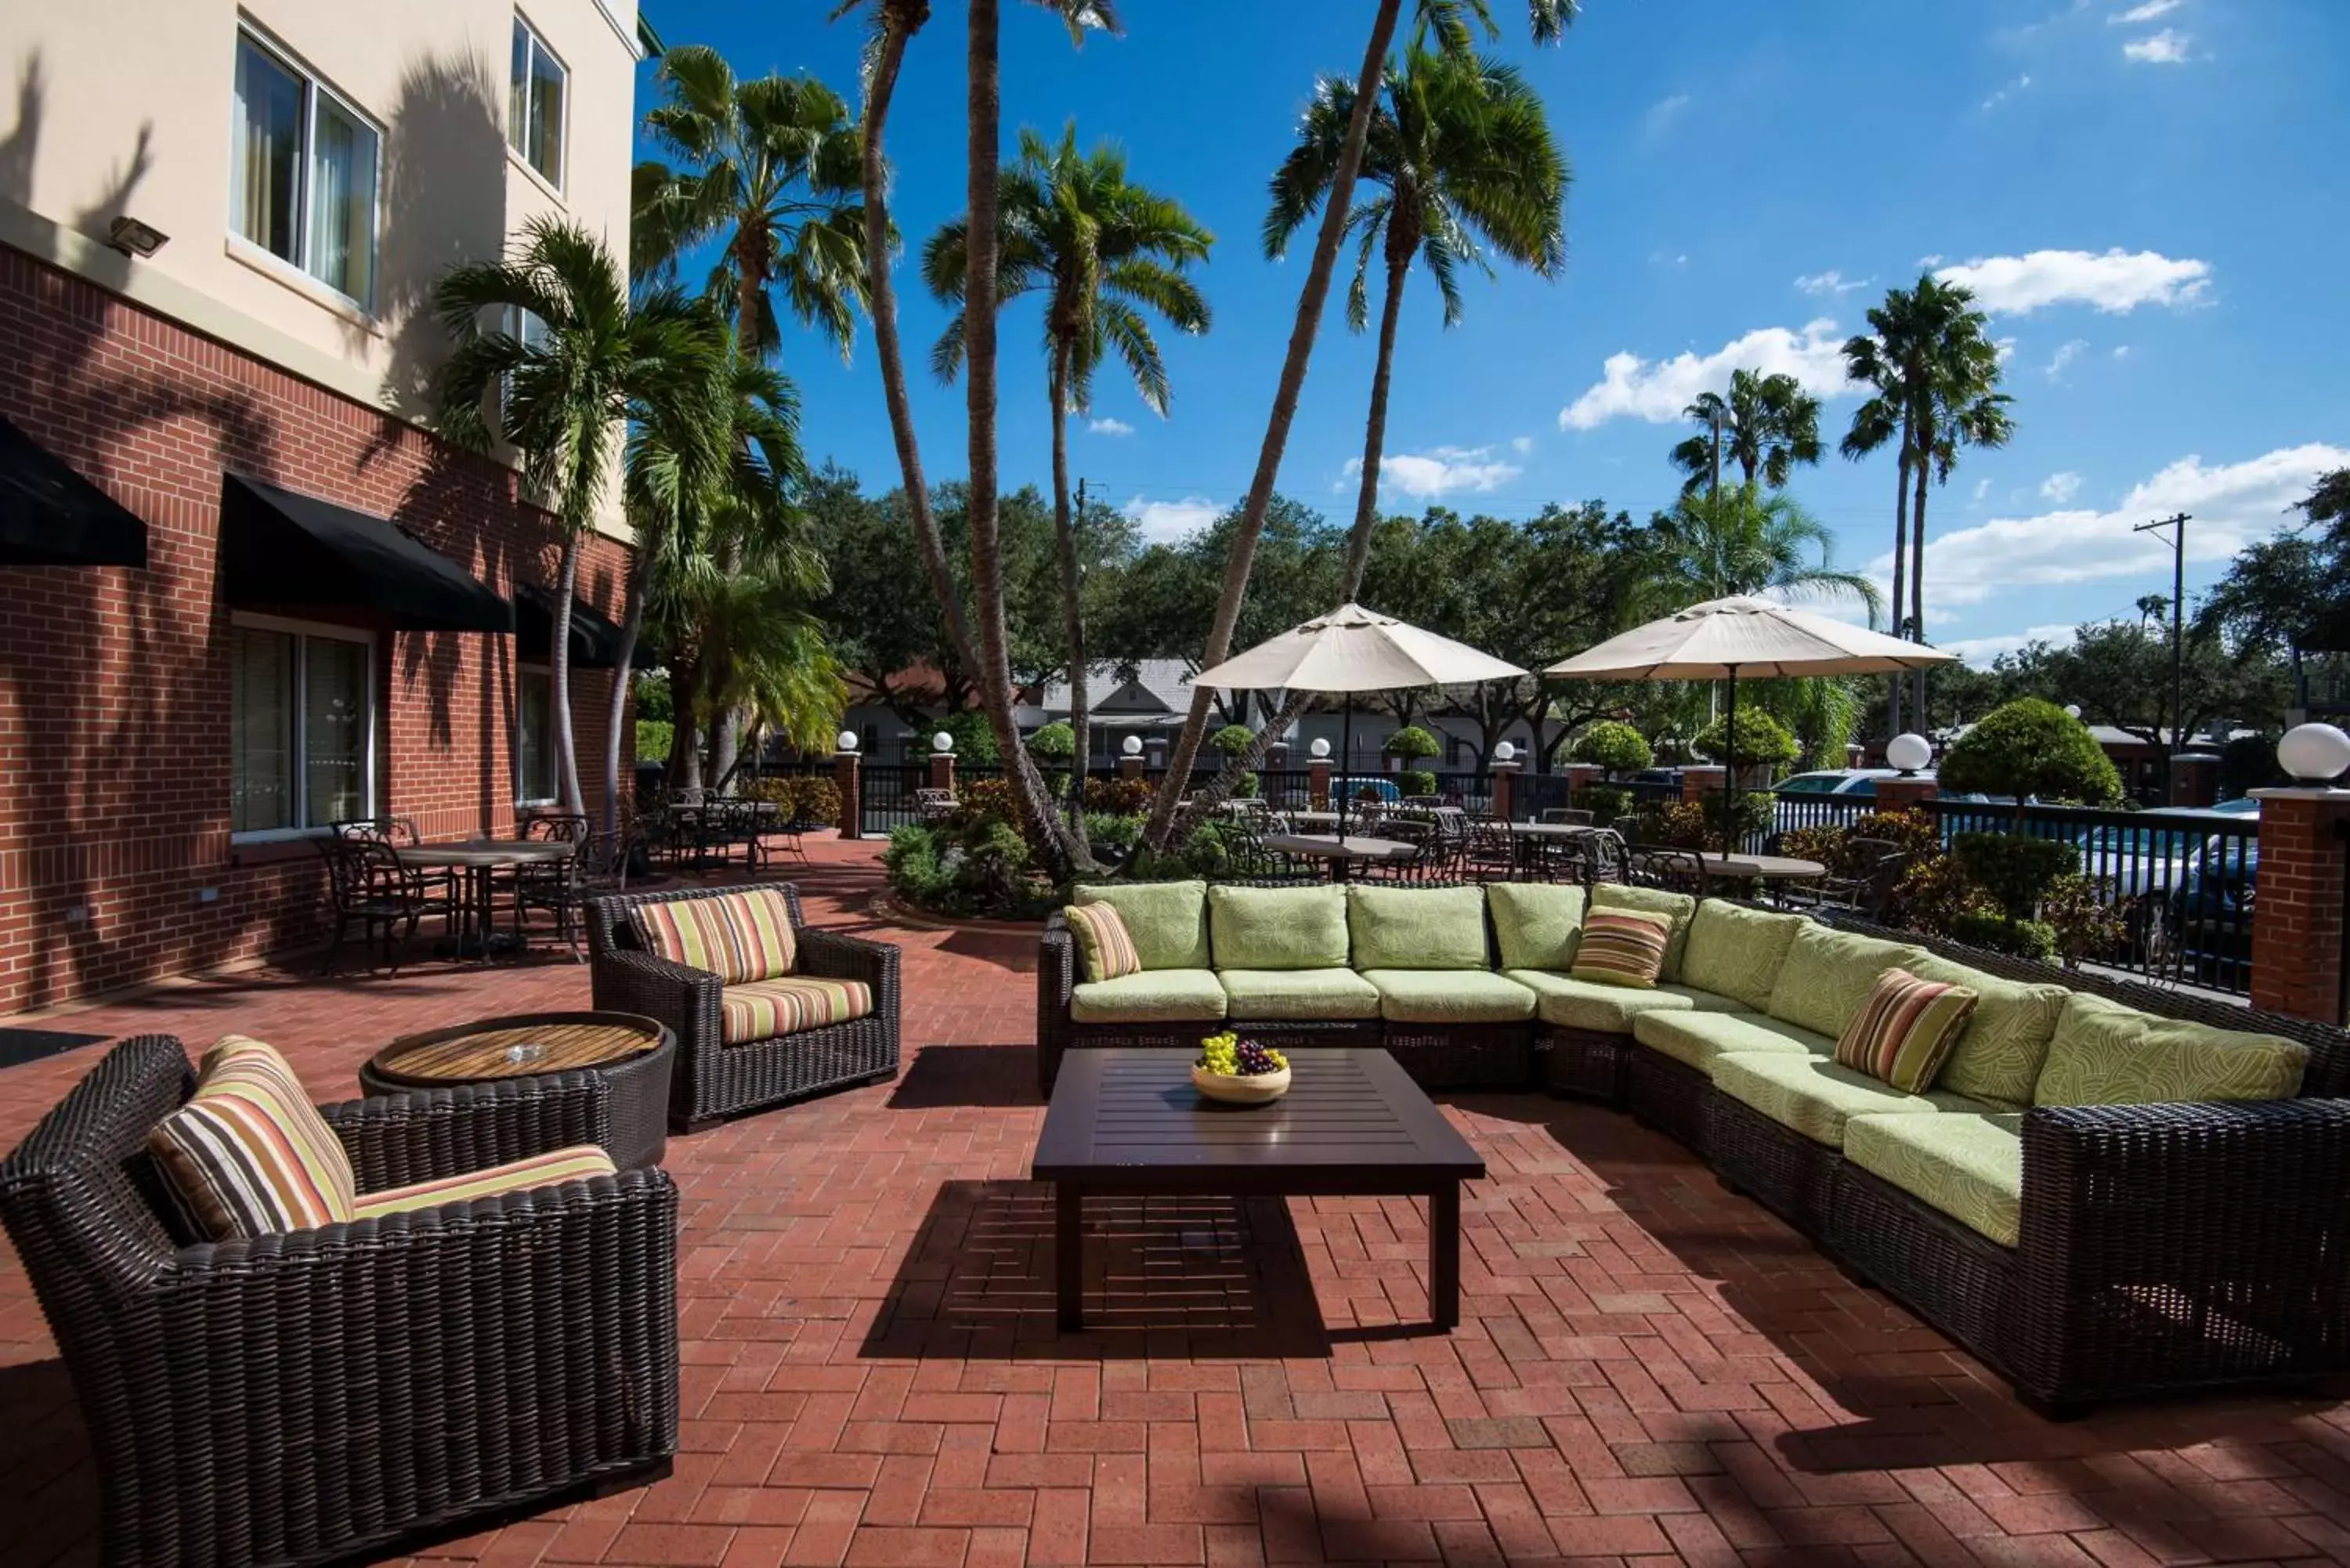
<point x="887" y="795"/>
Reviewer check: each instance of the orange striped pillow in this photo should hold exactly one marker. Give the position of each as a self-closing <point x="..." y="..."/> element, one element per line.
<point x="1102" y="937"/>
<point x="579" y="1163"/>
<point x="1906" y="1030"/>
<point x="1622" y="947"/>
<point x="737" y="937"/>
<point x="249" y="1155"/>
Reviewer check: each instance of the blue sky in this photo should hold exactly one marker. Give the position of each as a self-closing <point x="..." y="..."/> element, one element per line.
<point x="2148" y="194"/>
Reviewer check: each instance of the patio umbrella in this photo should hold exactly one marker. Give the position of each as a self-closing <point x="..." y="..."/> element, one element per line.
<point x="1354" y="649"/>
<point x="1722" y="639"/>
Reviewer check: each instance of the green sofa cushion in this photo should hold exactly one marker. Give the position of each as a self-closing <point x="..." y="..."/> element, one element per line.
<point x="1736" y="952"/>
<point x="1450" y="996"/>
<point x="1829" y="973"/>
<point x="1817" y="1099"/>
<point x="1168" y="920"/>
<point x="1536" y="923"/>
<point x="2000" y="1052"/>
<point x="1698" y="1039"/>
<point x="1573" y="1003"/>
<point x="1153" y="996"/>
<point x="1967" y="1164"/>
<point x="1416" y="928"/>
<point x="1314" y="993"/>
<point x="1278" y="927"/>
<point x="1679" y="907"/>
<point x="2107" y="1054"/>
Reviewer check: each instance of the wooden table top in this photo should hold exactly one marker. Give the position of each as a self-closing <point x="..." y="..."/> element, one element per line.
<point x="504" y="1047"/>
<point x="1349" y="1113"/>
<point x="1350" y="848"/>
<point x="1768" y="868"/>
<point x="486" y="852"/>
<point x="1552" y="829"/>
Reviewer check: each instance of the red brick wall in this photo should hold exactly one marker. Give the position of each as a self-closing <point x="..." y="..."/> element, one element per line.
<point x="114" y="692"/>
<point x="2297" y="919"/>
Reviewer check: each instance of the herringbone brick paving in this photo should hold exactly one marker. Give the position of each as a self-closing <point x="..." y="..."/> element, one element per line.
<point x="1649" y="1370"/>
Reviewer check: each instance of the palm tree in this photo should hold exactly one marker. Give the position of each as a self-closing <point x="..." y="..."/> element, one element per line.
<point x="1463" y="159"/>
<point x="1737" y="543"/>
<point x="594" y="364"/>
<point x="1766" y="425"/>
<point x="1103" y="252"/>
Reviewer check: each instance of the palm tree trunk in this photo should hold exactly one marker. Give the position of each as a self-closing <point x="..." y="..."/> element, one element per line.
<point x="1072" y="609"/>
<point x="1900" y="570"/>
<point x="685" y="721"/>
<point x="567" y="756"/>
<point x="632" y="620"/>
<point x="1311" y="299"/>
<point x="1917" y="582"/>
<point x="1375" y="428"/>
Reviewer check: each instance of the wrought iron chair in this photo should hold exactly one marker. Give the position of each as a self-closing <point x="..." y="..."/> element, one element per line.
<point x="367" y="886"/>
<point x="1566" y="817"/>
<point x="1674" y="870"/>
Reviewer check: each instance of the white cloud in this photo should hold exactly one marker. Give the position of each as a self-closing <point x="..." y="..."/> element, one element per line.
<point x="1831" y="282"/>
<point x="2168" y="47"/>
<point x="1439" y="472"/>
<point x="1657" y="389"/>
<point x="2009" y="91"/>
<point x="1663" y="114"/>
<point x="1521" y="444"/>
<point x="1162" y="522"/>
<point x="2116" y="280"/>
<point x="1669" y="258"/>
<point x="2066" y="352"/>
<point x="1111" y="427"/>
<point x="1983" y="488"/>
<point x="2004" y="349"/>
<point x="2121" y="350"/>
<point x="2232" y="504"/>
<point x="2061" y="487"/>
<point x="2145" y="13"/>
<point x="1981" y="650"/>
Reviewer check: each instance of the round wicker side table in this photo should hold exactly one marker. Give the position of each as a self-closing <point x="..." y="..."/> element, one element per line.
<point x="633" y="1053"/>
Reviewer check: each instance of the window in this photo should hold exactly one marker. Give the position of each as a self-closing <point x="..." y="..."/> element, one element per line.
<point x="534" y="736"/>
<point x="534" y="104"/>
<point x="302" y="181"/>
<point x="301" y="726"/>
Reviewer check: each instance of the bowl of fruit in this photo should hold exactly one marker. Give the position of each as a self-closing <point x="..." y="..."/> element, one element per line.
<point x="1239" y="1072"/>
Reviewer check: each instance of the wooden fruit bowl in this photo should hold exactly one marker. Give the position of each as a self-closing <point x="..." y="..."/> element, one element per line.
<point x="1235" y="1089"/>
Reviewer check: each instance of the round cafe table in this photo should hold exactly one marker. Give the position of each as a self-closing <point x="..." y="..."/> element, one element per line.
<point x="633" y="1053"/>
<point x="477" y="861"/>
<point x="1760" y="867"/>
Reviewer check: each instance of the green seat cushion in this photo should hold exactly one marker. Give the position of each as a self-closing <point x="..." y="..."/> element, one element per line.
<point x="1450" y="996"/>
<point x="1678" y="907"/>
<point x="1737" y="952"/>
<point x="1278" y="927"/>
<point x="1968" y="1165"/>
<point x="1316" y="994"/>
<point x="1696" y="1039"/>
<point x="1168" y="920"/>
<point x="1817" y="1097"/>
<point x="1153" y="996"/>
<point x="1416" y="928"/>
<point x="2000" y="1051"/>
<point x="2107" y="1054"/>
<point x="1829" y="973"/>
<point x="1536" y="923"/>
<point x="1573" y="1003"/>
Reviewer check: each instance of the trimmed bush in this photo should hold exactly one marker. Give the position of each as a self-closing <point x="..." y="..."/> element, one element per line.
<point x="1411" y="742"/>
<point x="1605" y="802"/>
<point x="2016" y="871"/>
<point x="1057" y="742"/>
<point x="1615" y="747"/>
<point x="1761" y="739"/>
<point x="1232" y="739"/>
<point x="1416" y="781"/>
<point x="1996" y="933"/>
<point x="654" y="739"/>
<point x="2031" y="748"/>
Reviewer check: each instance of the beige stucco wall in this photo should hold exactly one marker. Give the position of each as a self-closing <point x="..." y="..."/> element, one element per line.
<point x="124" y="107"/>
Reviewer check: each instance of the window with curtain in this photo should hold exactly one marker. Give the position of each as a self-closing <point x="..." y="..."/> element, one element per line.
<point x="536" y="87"/>
<point x="534" y="736"/>
<point x="300" y="723"/>
<point x="303" y="184"/>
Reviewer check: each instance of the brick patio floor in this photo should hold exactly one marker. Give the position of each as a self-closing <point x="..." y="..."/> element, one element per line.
<point x="1649" y="1369"/>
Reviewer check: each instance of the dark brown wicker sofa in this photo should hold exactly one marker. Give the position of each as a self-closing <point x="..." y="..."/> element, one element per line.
<point x="714" y="1078"/>
<point x="320" y="1395"/>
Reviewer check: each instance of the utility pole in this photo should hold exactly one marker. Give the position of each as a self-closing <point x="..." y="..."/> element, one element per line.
<point x="2177" y="522"/>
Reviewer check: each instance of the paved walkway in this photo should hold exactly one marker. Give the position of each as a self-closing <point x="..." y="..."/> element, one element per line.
<point x="1649" y="1370"/>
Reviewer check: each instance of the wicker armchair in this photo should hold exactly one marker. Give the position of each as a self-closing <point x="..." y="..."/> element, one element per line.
<point x="326" y="1394"/>
<point x="714" y="1079"/>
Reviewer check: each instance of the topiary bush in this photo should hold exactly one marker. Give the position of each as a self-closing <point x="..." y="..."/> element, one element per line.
<point x="2030" y="748"/>
<point x="1761" y="740"/>
<point x="1605" y="802"/>
<point x="1232" y="739"/>
<point x="1416" y="781"/>
<point x="1411" y="742"/>
<point x="2016" y="871"/>
<point x="1993" y="931"/>
<point x="1056" y="742"/>
<point x="1615" y="747"/>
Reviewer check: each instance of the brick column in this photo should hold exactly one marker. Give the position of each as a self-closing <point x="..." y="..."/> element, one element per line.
<point x="1703" y="781"/>
<point x="1129" y="767"/>
<point x="1581" y="776"/>
<point x="1318" y="783"/>
<point x="2297" y="919"/>
<point x="1505" y="792"/>
<point x="849" y="780"/>
<point x="1901" y="794"/>
<point x="942" y="771"/>
<point x="2195" y="779"/>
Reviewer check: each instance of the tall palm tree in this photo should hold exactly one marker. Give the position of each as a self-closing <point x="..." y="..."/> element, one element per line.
<point x="1104" y="253"/>
<point x="1766" y="426"/>
<point x="565" y="398"/>
<point x="1463" y="159"/>
<point x="1716" y="547"/>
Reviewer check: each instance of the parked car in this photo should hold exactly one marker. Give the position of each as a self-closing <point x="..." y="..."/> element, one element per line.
<point x="2211" y="906"/>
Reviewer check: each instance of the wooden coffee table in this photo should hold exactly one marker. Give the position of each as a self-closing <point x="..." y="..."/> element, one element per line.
<point x="634" y="1054"/>
<point x="1129" y="1122"/>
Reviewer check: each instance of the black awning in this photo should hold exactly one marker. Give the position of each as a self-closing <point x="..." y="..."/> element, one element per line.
<point x="281" y="548"/>
<point x="52" y="516"/>
<point x="595" y="641"/>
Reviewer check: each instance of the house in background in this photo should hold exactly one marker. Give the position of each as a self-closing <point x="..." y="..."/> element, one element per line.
<point x="246" y="593"/>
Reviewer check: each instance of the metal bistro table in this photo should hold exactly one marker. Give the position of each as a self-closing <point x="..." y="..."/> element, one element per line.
<point x="1341" y="853"/>
<point x="478" y="862"/>
<point x="1760" y="868"/>
<point x="634" y="1054"/>
<point x="1127" y="1122"/>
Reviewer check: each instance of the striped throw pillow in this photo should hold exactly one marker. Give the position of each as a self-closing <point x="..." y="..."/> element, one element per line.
<point x="249" y="1155"/>
<point x="1102" y="937"/>
<point x="1906" y="1030"/>
<point x="552" y="1168"/>
<point x="737" y="937"/>
<point x="767" y="1008"/>
<point x="1622" y="947"/>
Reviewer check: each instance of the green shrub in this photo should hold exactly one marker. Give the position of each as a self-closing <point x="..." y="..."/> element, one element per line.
<point x="975" y="738"/>
<point x="1674" y="825"/>
<point x="1605" y="802"/>
<point x="1615" y="747"/>
<point x="1411" y="742"/>
<point x="1761" y="739"/>
<point x="810" y="799"/>
<point x="980" y="803"/>
<point x="654" y="738"/>
<point x="1232" y="739"/>
<point x="2031" y="748"/>
<point x="1057" y="742"/>
<point x="1113" y="831"/>
<point x="1994" y="932"/>
<point x="2016" y="872"/>
<point x="1122" y="796"/>
<point x="1416" y="781"/>
<point x="1250" y="785"/>
<point x="985" y="874"/>
<point x="2086" y="923"/>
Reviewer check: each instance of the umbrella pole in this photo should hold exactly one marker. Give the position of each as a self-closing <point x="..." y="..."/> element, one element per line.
<point x="1729" y="778"/>
<point x="1345" y="762"/>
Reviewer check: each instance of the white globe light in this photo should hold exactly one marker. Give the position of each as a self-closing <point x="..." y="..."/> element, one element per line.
<point x="848" y="739"/>
<point x="1505" y="752"/>
<point x="943" y="742"/>
<point x="1131" y="745"/>
<point x="2314" y="753"/>
<point x="2072" y="709"/>
<point x="1909" y="753"/>
<point x="1320" y="749"/>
